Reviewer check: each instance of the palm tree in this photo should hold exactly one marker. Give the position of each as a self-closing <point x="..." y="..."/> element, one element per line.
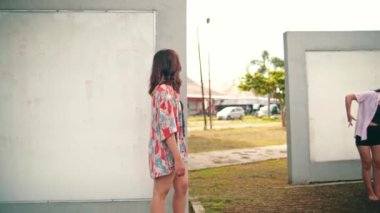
<point x="263" y="69"/>
<point x="263" y="63"/>
<point x="268" y="78"/>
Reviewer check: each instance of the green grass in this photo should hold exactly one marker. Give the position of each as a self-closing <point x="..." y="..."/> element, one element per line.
<point x="263" y="187"/>
<point x="223" y="139"/>
<point x="198" y="121"/>
<point x="220" y="187"/>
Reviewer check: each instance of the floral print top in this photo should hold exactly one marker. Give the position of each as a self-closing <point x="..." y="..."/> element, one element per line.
<point x="167" y="119"/>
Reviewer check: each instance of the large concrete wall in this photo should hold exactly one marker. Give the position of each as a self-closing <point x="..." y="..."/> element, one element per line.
<point x="171" y="16"/>
<point x="321" y="68"/>
<point x="170" y="32"/>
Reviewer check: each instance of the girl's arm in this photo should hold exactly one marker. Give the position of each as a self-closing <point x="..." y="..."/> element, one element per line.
<point x="348" y="100"/>
<point x="179" y="164"/>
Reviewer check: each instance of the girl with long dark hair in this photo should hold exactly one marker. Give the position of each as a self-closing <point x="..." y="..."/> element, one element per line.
<point x="167" y="146"/>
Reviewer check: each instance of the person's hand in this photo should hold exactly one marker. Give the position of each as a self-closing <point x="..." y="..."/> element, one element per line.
<point x="180" y="167"/>
<point x="350" y="118"/>
<point x="373" y="124"/>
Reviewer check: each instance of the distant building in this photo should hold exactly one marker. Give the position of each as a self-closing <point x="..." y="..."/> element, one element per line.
<point x="194" y="98"/>
<point x="232" y="96"/>
<point x="235" y="97"/>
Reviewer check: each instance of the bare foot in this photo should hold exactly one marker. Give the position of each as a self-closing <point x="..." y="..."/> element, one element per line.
<point x="373" y="198"/>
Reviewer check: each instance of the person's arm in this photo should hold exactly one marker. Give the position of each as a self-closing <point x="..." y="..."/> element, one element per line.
<point x="348" y="100"/>
<point x="168" y="130"/>
<point x="179" y="165"/>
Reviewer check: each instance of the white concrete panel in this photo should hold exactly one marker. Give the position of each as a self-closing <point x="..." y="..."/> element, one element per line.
<point x="74" y="108"/>
<point x="329" y="83"/>
<point x="330" y="76"/>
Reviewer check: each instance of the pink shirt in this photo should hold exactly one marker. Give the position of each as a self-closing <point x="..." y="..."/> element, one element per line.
<point x="368" y="102"/>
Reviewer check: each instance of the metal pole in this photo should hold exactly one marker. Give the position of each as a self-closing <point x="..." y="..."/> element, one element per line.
<point x="203" y="95"/>
<point x="209" y="92"/>
<point x="210" y="104"/>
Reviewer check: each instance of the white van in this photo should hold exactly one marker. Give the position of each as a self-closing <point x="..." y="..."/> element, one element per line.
<point x="263" y="111"/>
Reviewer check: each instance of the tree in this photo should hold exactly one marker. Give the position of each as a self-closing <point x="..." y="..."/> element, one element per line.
<point x="268" y="79"/>
<point x="263" y="63"/>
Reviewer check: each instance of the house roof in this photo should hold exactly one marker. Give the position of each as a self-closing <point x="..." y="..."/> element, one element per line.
<point x="194" y="90"/>
<point x="232" y="90"/>
<point x="230" y="94"/>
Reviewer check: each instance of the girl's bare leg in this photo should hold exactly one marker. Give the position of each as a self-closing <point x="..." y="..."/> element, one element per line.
<point x="376" y="168"/>
<point x="160" y="191"/>
<point x="180" y="192"/>
<point x="366" y="161"/>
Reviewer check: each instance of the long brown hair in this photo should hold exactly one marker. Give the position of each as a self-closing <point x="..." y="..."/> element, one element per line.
<point x="165" y="70"/>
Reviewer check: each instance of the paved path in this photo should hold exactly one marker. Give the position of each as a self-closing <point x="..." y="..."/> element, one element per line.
<point x="204" y="160"/>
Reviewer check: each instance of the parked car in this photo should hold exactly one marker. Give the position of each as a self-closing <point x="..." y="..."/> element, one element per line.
<point x="256" y="108"/>
<point x="274" y="111"/>
<point x="228" y="113"/>
<point x="251" y="109"/>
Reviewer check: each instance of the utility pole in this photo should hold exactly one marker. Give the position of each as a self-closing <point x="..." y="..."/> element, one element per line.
<point x="203" y="94"/>
<point x="209" y="92"/>
<point x="209" y="80"/>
